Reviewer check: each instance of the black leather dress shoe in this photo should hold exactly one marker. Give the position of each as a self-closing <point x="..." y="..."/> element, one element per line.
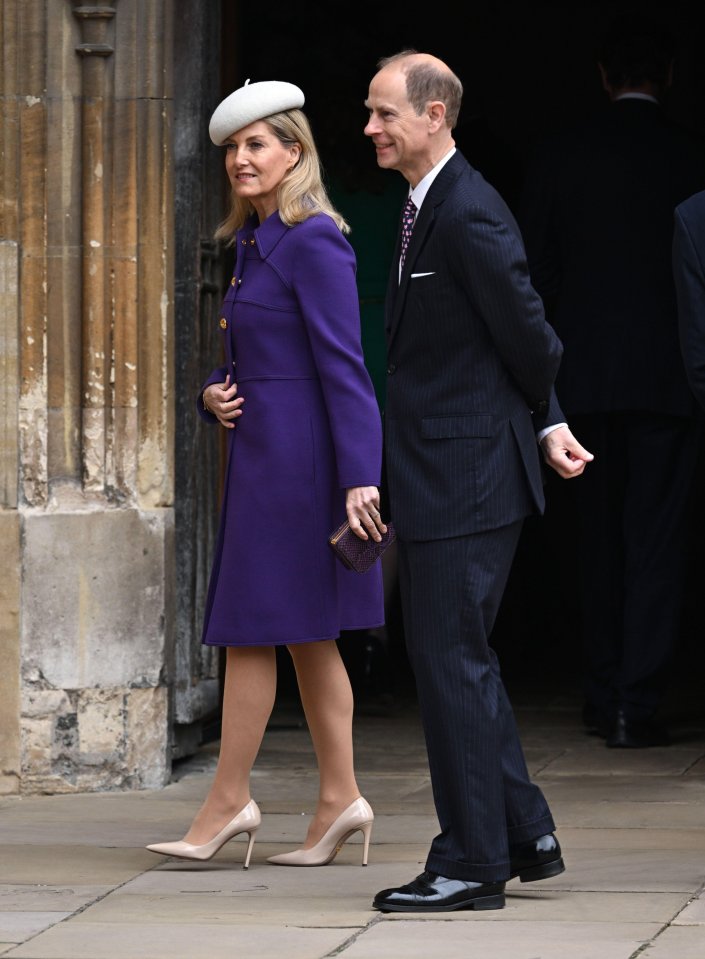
<point x="430" y="892"/>
<point x="537" y="859"/>
<point x="628" y="734"/>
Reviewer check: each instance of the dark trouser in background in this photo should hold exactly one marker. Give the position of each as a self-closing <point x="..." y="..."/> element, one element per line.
<point x="632" y="506"/>
<point x="450" y="593"/>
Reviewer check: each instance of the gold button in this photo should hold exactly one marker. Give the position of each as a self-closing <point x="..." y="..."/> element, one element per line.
<point x="252" y="241"/>
<point x="223" y="323"/>
<point x="244" y="242"/>
<point x="232" y="282"/>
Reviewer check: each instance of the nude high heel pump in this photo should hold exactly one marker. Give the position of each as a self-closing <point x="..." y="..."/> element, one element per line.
<point x="358" y="816"/>
<point x="247" y="820"/>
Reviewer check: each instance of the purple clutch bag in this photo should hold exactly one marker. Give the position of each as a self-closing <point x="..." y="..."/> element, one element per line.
<point x="359" y="554"/>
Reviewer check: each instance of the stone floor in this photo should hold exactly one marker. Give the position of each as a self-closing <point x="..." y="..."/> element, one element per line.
<point x="77" y="883"/>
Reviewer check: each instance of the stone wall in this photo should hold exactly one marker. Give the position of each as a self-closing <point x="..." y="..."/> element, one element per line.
<point x="87" y="395"/>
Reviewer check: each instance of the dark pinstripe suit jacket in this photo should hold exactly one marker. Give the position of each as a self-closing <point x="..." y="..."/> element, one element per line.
<point x="470" y="358"/>
<point x="688" y="255"/>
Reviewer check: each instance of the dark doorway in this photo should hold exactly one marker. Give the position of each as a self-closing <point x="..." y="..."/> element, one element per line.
<point x="526" y="68"/>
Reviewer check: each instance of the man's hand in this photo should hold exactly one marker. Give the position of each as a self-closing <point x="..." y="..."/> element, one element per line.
<point x="564" y="454"/>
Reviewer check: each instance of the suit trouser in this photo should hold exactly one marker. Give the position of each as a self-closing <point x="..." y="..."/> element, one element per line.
<point x="633" y="509"/>
<point x="450" y="593"/>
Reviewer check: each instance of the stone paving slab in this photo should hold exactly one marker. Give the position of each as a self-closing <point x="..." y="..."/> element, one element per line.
<point x="664" y="838"/>
<point x="599" y="789"/>
<point x="17" y="926"/>
<point x="40" y="897"/>
<point x="478" y="937"/>
<point x="684" y="942"/>
<point x="56" y="865"/>
<point x="197" y="941"/>
<point x="255" y="905"/>
<point x="151" y="898"/>
<point x="693" y="914"/>
<point x="590" y="760"/>
<point x="636" y="870"/>
<point x="335" y="882"/>
<point x="630" y="815"/>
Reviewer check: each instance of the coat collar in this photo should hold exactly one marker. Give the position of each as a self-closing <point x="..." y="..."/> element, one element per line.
<point x="266" y="234"/>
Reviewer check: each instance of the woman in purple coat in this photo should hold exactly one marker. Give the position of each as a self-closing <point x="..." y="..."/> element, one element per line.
<point x="304" y="453"/>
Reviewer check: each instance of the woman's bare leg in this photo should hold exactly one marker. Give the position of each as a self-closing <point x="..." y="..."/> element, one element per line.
<point x="327" y="699"/>
<point x="248" y="699"/>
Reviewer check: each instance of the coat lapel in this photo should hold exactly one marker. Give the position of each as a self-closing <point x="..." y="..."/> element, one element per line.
<point x="398" y="287"/>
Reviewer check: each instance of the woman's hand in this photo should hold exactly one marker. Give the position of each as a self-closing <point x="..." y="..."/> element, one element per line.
<point x="219" y="399"/>
<point x="362" y="505"/>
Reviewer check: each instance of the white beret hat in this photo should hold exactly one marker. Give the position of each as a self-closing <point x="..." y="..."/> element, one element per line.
<point x="253" y="101"/>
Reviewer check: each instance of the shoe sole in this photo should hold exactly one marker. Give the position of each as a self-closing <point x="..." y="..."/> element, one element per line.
<point x="544" y="870"/>
<point x="485" y="902"/>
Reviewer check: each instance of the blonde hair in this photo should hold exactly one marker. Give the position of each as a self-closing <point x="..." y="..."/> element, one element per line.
<point x="301" y="193"/>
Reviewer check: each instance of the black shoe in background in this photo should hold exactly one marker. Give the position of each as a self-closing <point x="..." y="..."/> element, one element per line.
<point x="632" y="734"/>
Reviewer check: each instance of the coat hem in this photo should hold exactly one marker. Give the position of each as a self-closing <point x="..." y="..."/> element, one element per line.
<point x="293" y="642"/>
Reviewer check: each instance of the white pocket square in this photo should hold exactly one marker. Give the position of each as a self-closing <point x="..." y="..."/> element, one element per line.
<point x="414" y="275"/>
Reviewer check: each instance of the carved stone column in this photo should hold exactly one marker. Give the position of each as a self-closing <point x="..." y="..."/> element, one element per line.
<point x="87" y="399"/>
<point x="96" y="110"/>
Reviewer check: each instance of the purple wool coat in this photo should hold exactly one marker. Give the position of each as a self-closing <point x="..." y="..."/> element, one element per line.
<point x="310" y="428"/>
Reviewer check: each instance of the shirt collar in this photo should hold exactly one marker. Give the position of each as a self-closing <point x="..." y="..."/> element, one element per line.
<point x="419" y="192"/>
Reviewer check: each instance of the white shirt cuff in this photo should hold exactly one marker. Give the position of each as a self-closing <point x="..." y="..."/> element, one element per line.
<point x="549" y="429"/>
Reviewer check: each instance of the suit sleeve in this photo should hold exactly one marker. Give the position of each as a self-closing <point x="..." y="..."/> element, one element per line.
<point x="491" y="263"/>
<point x="689" y="278"/>
<point x="326" y="288"/>
<point x="552" y="415"/>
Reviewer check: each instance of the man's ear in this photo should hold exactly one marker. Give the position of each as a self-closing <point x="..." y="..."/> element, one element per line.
<point x="436" y="111"/>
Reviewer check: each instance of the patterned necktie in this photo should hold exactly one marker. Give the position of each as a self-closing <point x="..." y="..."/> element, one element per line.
<point x="407" y="225"/>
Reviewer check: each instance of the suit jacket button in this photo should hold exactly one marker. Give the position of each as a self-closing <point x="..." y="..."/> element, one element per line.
<point x="391" y="369"/>
<point x="542" y="406"/>
<point x="223" y="323"/>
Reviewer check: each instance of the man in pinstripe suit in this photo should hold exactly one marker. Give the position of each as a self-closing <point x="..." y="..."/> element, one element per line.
<point x="471" y="366"/>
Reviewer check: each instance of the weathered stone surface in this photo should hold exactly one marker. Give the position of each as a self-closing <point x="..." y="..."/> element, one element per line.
<point x="88" y="397"/>
<point x="9" y="373"/>
<point x="9" y="652"/>
<point x="94" y="589"/>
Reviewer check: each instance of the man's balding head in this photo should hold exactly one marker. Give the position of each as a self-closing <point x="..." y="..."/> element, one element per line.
<point x="427" y="78"/>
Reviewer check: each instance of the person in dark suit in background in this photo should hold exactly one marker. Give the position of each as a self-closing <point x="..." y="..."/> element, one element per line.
<point x="597" y="220"/>
<point x="471" y="365"/>
<point x="688" y="254"/>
